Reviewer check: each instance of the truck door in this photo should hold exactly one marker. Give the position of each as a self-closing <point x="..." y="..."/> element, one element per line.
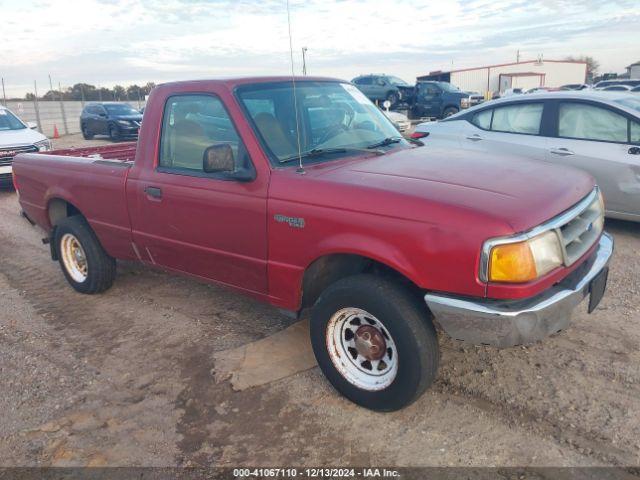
<point x="430" y="99"/>
<point x="211" y="225"/>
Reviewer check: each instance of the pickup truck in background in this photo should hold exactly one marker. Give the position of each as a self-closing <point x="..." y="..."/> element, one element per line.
<point x="440" y="100"/>
<point x="317" y="203"/>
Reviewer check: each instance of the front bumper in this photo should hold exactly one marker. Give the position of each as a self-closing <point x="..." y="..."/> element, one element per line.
<point x="505" y="323"/>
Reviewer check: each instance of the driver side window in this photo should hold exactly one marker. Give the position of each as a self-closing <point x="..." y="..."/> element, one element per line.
<point x="191" y="124"/>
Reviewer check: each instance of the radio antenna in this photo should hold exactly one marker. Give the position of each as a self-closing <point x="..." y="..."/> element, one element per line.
<point x="300" y="169"/>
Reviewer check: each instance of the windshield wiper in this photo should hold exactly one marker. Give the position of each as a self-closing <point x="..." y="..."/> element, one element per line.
<point x="318" y="152"/>
<point x="385" y="142"/>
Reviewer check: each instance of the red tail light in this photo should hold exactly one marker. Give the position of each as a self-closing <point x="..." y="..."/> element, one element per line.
<point x="15" y="181"/>
<point x="419" y="135"/>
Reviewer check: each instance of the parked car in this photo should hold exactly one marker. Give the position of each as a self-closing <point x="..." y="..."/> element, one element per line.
<point x="115" y="119"/>
<point x="17" y="136"/>
<point x="441" y="100"/>
<point x="598" y="132"/>
<point x="377" y="237"/>
<point x="400" y="120"/>
<point x="383" y="87"/>
<point x="510" y="91"/>
<point x="607" y="83"/>
<point x="616" y="88"/>
<point x="575" y="86"/>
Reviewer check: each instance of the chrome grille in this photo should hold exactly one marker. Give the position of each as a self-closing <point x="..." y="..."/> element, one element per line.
<point x="7" y="153"/>
<point x="580" y="232"/>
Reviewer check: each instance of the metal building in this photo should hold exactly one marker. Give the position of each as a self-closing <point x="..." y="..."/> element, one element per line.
<point x="526" y="74"/>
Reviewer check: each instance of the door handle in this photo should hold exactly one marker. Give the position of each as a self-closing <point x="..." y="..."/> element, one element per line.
<point x="563" y="152"/>
<point x="634" y="151"/>
<point x="153" y="192"/>
<point x="474" y="138"/>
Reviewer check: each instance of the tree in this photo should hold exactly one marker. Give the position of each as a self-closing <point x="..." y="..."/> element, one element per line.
<point x="592" y="65"/>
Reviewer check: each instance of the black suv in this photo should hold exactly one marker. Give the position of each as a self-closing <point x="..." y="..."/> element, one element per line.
<point x="118" y="120"/>
<point x="384" y="87"/>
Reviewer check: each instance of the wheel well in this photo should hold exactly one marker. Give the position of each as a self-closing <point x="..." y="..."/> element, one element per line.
<point x="59" y="209"/>
<point x="329" y="269"/>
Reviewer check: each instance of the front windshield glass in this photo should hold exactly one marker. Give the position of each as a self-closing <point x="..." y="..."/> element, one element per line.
<point x="398" y="81"/>
<point x="332" y="116"/>
<point x="121" y="109"/>
<point x="8" y="121"/>
<point x="447" y="87"/>
<point x="629" y="102"/>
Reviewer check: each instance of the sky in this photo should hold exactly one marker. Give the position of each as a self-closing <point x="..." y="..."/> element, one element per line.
<point x="108" y="42"/>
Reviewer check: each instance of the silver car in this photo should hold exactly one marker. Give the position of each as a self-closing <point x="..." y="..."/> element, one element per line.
<point x="595" y="131"/>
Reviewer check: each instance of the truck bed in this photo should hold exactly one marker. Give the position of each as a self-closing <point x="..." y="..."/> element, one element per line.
<point x="124" y="152"/>
<point x="92" y="180"/>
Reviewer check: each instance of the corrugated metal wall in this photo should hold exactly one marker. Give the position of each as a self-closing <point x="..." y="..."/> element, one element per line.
<point x="487" y="78"/>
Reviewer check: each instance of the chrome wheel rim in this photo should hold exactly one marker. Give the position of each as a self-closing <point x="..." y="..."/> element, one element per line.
<point x="73" y="257"/>
<point x="362" y="349"/>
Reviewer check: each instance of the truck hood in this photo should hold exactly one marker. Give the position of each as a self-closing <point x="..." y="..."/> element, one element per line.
<point x="15" y="138"/>
<point x="409" y="182"/>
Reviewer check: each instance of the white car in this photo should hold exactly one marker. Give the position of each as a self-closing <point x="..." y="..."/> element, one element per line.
<point x="400" y="120"/>
<point x="598" y="132"/>
<point x="16" y="137"/>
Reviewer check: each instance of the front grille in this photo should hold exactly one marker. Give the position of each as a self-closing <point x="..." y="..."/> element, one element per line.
<point x="581" y="231"/>
<point x="7" y="153"/>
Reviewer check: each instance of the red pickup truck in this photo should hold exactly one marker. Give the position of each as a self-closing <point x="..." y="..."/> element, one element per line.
<point x="302" y="194"/>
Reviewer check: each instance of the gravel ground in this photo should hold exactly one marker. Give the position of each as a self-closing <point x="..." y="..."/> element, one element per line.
<point x="127" y="378"/>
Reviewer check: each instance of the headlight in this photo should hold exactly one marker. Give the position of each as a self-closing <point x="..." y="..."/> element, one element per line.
<point x="43" y="145"/>
<point x="123" y="122"/>
<point x="464" y="102"/>
<point x="524" y="261"/>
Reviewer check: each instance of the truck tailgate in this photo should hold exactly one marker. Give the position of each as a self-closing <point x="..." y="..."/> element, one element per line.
<point x="91" y="180"/>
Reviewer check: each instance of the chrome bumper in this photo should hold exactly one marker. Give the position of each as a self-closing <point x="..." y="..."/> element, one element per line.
<point x="505" y="323"/>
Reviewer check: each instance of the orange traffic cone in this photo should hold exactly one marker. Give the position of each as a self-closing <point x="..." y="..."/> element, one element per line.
<point x="55" y="131"/>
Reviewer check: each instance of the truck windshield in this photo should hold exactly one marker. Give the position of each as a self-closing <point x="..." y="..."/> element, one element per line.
<point x="121" y="109"/>
<point x="333" y="118"/>
<point x="8" y="121"/>
<point x="447" y="87"/>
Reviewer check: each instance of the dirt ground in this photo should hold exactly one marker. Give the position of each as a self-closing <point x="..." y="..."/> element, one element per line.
<point x="127" y="378"/>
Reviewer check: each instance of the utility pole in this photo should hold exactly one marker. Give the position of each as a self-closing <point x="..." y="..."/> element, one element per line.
<point x="518" y="56"/>
<point x="53" y="97"/>
<point x="4" y="95"/>
<point x="304" y="60"/>
<point x="64" y="114"/>
<point x="35" y="105"/>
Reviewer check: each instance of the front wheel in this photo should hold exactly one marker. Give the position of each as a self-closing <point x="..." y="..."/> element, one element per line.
<point x="375" y="342"/>
<point x="85" y="264"/>
<point x="86" y="134"/>
<point x="449" y="111"/>
<point x="114" y="133"/>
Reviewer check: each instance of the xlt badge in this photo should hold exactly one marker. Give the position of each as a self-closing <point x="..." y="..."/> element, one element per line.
<point x="295" y="222"/>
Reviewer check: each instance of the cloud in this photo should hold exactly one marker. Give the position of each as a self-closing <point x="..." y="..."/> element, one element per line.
<point x="122" y="41"/>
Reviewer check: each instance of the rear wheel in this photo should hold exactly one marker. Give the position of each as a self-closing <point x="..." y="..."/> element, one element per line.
<point x="85" y="264"/>
<point x="114" y="133"/>
<point x="375" y="342"/>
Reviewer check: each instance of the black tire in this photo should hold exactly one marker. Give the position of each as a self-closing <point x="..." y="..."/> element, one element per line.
<point x="449" y="111"/>
<point x="393" y="98"/>
<point x="101" y="267"/>
<point x="114" y="133"/>
<point x="409" y="324"/>
<point x="86" y="134"/>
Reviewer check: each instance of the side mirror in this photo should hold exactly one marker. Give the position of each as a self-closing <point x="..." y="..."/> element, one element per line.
<point x="32" y="125"/>
<point x="218" y="159"/>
